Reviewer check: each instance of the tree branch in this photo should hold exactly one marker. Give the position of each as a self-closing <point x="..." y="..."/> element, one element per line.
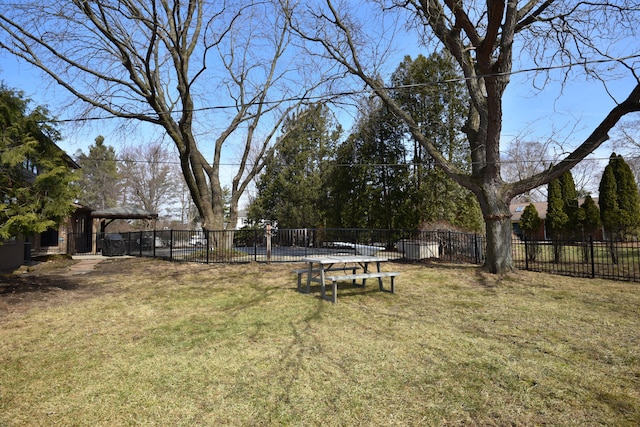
<point x="599" y="135"/>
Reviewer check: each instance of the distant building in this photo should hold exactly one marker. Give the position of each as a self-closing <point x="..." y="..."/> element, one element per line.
<point x="517" y="209"/>
<point x="243" y="220"/>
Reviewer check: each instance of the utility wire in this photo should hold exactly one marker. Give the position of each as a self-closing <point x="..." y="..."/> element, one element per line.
<point x="362" y="91"/>
<point x="502" y="162"/>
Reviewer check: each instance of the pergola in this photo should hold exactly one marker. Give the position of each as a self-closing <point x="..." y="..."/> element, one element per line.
<point x="107" y="216"/>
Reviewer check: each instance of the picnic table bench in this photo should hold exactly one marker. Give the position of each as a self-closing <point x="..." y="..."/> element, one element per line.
<point x="364" y="276"/>
<point x="302" y="271"/>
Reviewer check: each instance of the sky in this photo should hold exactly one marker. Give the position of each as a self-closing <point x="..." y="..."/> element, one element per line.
<point x="571" y="115"/>
<point x="568" y="113"/>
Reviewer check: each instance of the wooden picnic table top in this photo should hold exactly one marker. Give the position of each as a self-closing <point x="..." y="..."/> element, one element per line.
<point x="334" y="259"/>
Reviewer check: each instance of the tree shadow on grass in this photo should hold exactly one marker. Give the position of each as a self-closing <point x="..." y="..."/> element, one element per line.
<point x="12" y="284"/>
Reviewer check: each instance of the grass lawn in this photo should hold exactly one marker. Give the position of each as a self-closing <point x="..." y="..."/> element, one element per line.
<point x="148" y="342"/>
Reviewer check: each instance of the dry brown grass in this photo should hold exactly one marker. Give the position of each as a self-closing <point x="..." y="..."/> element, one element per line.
<point x="144" y="342"/>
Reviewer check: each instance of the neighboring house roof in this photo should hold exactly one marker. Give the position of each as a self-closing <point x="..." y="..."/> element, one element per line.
<point x="518" y="208"/>
<point x="67" y="158"/>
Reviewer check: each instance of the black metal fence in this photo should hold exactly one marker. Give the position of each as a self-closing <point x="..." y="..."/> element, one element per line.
<point x="604" y="259"/>
<point x="286" y="245"/>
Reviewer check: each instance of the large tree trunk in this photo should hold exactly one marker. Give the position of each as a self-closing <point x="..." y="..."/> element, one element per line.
<point x="499" y="258"/>
<point x="497" y="216"/>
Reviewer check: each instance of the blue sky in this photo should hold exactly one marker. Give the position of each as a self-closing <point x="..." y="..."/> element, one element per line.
<point x="570" y="116"/>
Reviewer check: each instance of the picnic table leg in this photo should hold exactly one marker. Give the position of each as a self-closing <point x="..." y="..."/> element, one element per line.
<point x="334" y="296"/>
<point x="309" y="273"/>
<point x="366" y="270"/>
<point x="322" y="282"/>
<point x="379" y="278"/>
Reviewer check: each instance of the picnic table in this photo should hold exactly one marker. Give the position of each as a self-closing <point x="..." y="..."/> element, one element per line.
<point x="323" y="269"/>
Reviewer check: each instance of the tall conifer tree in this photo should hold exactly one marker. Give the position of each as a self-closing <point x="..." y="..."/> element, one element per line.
<point x="570" y="203"/>
<point x="557" y="218"/>
<point x="589" y="216"/>
<point x="369" y="184"/>
<point x="619" y="200"/>
<point x="292" y="187"/>
<point x="100" y="184"/>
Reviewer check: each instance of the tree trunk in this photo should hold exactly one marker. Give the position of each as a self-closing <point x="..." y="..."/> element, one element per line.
<point x="499" y="257"/>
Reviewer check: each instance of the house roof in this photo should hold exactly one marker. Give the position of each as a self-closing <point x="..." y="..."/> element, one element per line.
<point x="67" y="158"/>
<point x="124" y="212"/>
<point x="517" y="209"/>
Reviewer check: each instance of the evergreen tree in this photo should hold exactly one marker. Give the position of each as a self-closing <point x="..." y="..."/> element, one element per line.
<point x="608" y="200"/>
<point x="557" y="218"/>
<point x="619" y="200"/>
<point x="100" y="186"/>
<point x="530" y="223"/>
<point x="35" y="175"/>
<point x="628" y="198"/>
<point x="292" y="188"/>
<point x="589" y="216"/>
<point x="368" y="186"/>
<point x="439" y="110"/>
<point x="570" y="204"/>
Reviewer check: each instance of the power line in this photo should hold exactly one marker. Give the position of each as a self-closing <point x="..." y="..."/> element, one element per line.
<point x="343" y="94"/>
<point x="502" y="162"/>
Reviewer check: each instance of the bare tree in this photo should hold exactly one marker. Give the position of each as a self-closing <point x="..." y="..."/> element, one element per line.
<point x="627" y="139"/>
<point x="524" y="159"/>
<point x="217" y="77"/>
<point x="151" y="179"/>
<point x="481" y="36"/>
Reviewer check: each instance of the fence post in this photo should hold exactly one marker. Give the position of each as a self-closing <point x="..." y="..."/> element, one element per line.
<point x="206" y="245"/>
<point x="268" y="235"/>
<point x="255" y="244"/>
<point x="171" y="244"/>
<point x="593" y="261"/>
<point x="355" y="240"/>
<point x="526" y="254"/>
<point x="475" y="248"/>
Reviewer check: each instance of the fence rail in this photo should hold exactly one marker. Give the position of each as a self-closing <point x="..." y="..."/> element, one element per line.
<point x="591" y="258"/>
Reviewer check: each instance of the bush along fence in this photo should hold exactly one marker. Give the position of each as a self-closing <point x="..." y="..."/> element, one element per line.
<point x="616" y="260"/>
<point x="283" y="245"/>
